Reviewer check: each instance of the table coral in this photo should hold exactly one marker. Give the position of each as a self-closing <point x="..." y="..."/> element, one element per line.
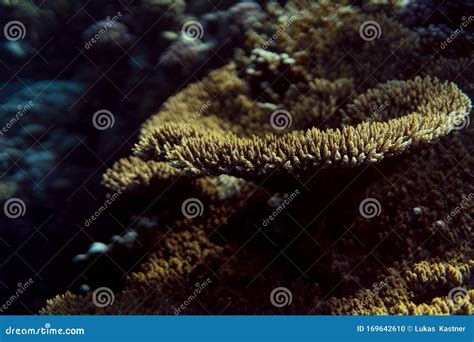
<point x="357" y="120"/>
<point x="206" y="147"/>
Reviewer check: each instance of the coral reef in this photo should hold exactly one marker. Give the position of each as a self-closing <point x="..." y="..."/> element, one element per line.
<point x="397" y="294"/>
<point x="206" y="147"/>
<point x="108" y="36"/>
<point x="424" y="242"/>
<point x="280" y="149"/>
<point x="29" y="116"/>
<point x="62" y="62"/>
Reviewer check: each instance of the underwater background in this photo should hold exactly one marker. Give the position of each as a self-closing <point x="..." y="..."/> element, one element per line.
<point x="236" y="157"/>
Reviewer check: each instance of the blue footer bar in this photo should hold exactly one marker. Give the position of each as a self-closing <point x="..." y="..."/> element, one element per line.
<point x="236" y="328"/>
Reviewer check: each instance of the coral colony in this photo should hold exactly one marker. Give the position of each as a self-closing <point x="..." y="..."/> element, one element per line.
<point x="291" y="157"/>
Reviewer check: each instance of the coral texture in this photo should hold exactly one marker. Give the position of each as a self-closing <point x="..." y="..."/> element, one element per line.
<point x="281" y="148"/>
<point x="206" y="147"/>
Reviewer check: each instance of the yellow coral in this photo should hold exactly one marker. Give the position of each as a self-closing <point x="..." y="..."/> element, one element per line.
<point x="396" y="294"/>
<point x="347" y="116"/>
<point x="421" y="111"/>
<point x="130" y="173"/>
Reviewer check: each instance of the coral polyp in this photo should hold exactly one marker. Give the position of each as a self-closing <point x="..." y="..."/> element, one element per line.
<point x="253" y="149"/>
<point x="324" y="109"/>
<point x="308" y="157"/>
